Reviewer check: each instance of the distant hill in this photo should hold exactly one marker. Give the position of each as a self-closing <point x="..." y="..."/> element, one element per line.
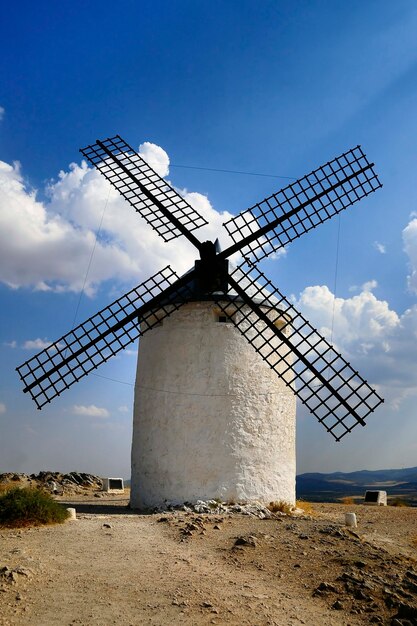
<point x="331" y="487"/>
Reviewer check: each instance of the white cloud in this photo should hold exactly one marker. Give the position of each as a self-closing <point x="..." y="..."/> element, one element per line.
<point x="2" y="112"/>
<point x="2" y="408"/>
<point x="380" y="247"/>
<point x="376" y="340"/>
<point x="11" y="344"/>
<point x="64" y="227"/>
<point x="360" y="318"/>
<point x="36" y="344"/>
<point x="124" y="409"/>
<point x="156" y="157"/>
<point x="410" y="247"/>
<point x="369" y="285"/>
<point x="90" y="411"/>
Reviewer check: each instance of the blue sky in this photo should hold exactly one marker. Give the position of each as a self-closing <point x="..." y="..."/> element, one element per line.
<point x="264" y="87"/>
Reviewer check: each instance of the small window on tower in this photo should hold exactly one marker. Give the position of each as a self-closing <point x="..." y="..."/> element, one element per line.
<point x="225" y="319"/>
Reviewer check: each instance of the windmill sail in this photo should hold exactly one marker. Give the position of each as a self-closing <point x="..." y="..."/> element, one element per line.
<point x="302" y="205"/>
<point x="95" y="341"/>
<point x="149" y="194"/>
<point x="324" y="381"/>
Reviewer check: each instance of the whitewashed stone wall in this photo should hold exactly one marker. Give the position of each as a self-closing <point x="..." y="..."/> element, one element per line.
<point x="211" y="419"/>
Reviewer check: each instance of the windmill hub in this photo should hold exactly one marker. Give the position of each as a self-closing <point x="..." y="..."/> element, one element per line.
<point x="211" y="270"/>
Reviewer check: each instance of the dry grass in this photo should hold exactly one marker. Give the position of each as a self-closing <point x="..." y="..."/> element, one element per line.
<point x="414" y="540"/>
<point x="347" y="500"/>
<point x="398" y="502"/>
<point x="307" y="507"/>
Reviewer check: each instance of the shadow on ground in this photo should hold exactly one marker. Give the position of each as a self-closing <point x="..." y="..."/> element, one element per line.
<point x="115" y="507"/>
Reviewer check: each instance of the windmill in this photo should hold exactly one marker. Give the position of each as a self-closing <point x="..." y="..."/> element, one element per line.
<point x="181" y="423"/>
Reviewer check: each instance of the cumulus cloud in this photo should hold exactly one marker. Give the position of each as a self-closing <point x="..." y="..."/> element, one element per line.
<point x="2" y="408"/>
<point x="48" y="245"/>
<point x="90" y="411"/>
<point x="156" y="157"/>
<point x="360" y="318"/>
<point x="2" y="112"/>
<point x="377" y="341"/>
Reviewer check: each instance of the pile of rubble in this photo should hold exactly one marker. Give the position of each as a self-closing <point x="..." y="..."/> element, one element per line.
<point x="55" y="482"/>
<point x="216" y="507"/>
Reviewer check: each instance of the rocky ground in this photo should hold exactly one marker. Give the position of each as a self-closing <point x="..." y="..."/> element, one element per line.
<point x="113" y="566"/>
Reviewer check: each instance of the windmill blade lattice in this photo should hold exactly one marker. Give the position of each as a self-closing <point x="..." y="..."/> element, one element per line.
<point x="95" y="341"/>
<point x="294" y="210"/>
<point x="149" y="194"/>
<point x="324" y="381"/>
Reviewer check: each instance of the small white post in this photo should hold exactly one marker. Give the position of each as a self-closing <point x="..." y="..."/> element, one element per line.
<point x="72" y="513"/>
<point x="350" y="520"/>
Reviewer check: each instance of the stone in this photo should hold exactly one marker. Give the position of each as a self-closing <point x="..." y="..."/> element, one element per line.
<point x="246" y="541"/>
<point x="406" y="611"/>
<point x="338" y="606"/>
<point x="323" y="586"/>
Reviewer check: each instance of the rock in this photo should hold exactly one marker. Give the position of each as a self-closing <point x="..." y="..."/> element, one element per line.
<point x="23" y="571"/>
<point x="323" y="586"/>
<point x="249" y="540"/>
<point x="360" y="595"/>
<point x="107" y="526"/>
<point x="406" y="611"/>
<point x="338" y="606"/>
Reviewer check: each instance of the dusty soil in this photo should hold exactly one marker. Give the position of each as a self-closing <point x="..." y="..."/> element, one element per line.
<point x="113" y="566"/>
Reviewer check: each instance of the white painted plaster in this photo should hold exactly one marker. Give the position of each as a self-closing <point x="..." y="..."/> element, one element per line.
<point x="211" y="419"/>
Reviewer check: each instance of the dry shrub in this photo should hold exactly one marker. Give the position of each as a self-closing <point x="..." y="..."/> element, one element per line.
<point x="280" y="506"/>
<point x="414" y="540"/>
<point x="398" y="502"/>
<point x="347" y="500"/>
<point x="20" y="507"/>
<point x="5" y="487"/>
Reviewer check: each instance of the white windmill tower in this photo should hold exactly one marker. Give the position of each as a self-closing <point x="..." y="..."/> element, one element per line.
<point x="211" y="417"/>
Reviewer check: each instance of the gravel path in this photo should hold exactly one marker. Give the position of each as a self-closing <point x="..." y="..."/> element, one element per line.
<point x="112" y="566"/>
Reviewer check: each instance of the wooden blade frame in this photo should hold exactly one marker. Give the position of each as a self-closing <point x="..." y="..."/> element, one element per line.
<point x="149" y="194"/>
<point x="324" y="381"/>
<point x="95" y="341"/>
<point x="286" y="215"/>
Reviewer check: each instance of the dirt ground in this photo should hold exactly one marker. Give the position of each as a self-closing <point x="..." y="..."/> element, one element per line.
<point x="114" y="566"/>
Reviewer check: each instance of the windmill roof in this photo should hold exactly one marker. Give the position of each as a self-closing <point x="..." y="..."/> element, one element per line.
<point x="254" y="290"/>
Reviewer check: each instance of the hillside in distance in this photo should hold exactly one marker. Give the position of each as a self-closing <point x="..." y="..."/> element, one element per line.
<point x="398" y="483"/>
